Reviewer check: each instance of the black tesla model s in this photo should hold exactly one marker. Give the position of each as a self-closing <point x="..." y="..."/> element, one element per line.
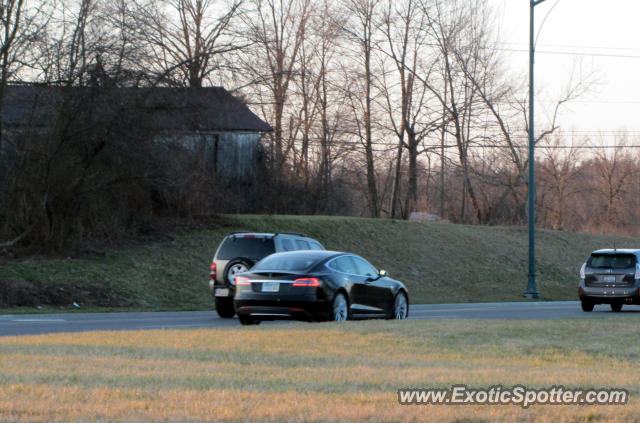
<point x="317" y="285"/>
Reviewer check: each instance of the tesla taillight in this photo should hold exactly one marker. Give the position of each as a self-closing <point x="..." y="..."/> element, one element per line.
<point x="241" y="280"/>
<point x="213" y="270"/>
<point x="306" y="282"/>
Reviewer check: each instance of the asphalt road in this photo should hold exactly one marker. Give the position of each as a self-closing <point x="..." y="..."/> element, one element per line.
<point x="31" y="324"/>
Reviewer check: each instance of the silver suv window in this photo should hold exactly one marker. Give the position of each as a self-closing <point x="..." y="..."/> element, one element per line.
<point x="302" y="244"/>
<point x="315" y="245"/>
<point x="287" y="245"/>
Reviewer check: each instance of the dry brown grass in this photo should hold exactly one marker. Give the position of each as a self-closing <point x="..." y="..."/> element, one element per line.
<point x="318" y="372"/>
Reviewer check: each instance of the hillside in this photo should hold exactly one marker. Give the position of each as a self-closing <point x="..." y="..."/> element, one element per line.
<point x="439" y="262"/>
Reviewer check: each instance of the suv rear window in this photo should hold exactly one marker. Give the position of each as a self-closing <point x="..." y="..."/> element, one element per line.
<point x="251" y="248"/>
<point x="612" y="261"/>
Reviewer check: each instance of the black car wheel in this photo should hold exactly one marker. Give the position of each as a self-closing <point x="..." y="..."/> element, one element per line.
<point x="248" y="320"/>
<point x="234" y="268"/>
<point x="339" y="308"/>
<point x="586" y="305"/>
<point x="616" y="307"/>
<point x="224" y="307"/>
<point x="400" y="306"/>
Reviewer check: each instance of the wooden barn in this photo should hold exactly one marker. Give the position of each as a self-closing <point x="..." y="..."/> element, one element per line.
<point x="207" y="121"/>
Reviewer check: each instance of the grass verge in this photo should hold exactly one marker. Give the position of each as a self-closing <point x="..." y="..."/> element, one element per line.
<point x="438" y="262"/>
<point x="316" y="373"/>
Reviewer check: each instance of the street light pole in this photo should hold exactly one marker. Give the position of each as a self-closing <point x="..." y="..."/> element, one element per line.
<point x="532" y="287"/>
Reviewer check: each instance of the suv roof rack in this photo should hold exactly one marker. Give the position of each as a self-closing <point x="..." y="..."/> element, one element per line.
<point x="290" y="233"/>
<point x="257" y="234"/>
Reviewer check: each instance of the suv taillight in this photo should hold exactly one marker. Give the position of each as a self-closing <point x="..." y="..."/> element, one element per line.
<point x="637" y="276"/>
<point x="582" y="270"/>
<point x="213" y="271"/>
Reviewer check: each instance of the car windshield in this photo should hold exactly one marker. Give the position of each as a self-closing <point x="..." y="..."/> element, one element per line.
<point x="242" y="246"/>
<point x="285" y="262"/>
<point x="612" y="261"/>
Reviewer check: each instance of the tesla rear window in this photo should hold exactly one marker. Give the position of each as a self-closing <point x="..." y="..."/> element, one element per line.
<point x="251" y="248"/>
<point x="285" y="262"/>
<point x="612" y="261"/>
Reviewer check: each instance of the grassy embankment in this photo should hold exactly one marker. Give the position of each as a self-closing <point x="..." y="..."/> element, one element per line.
<point x="317" y="373"/>
<point x="439" y="263"/>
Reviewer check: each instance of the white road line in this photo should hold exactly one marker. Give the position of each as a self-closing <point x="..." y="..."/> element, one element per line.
<point x="38" y="320"/>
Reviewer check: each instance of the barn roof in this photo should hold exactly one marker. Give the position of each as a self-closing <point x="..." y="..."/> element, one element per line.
<point x="172" y="109"/>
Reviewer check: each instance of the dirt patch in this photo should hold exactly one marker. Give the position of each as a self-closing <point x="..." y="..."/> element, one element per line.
<point x="20" y="293"/>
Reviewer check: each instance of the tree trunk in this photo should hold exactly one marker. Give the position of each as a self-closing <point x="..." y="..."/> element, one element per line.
<point x="397" y="181"/>
<point x="412" y="192"/>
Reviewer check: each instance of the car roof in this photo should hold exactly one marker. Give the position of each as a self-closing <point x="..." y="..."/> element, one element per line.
<point x="617" y="250"/>
<point x="240" y="234"/>
<point x="315" y="254"/>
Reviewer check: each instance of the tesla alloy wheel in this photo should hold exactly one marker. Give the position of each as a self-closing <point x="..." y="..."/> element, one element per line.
<point x="340" y="309"/>
<point x="400" y="307"/>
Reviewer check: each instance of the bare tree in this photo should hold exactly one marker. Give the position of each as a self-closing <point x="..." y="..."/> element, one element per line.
<point x="451" y="25"/>
<point x="79" y="141"/>
<point x="277" y="31"/>
<point x="510" y="111"/>
<point x="615" y="171"/>
<point x="361" y="31"/>
<point x="187" y="40"/>
<point x="320" y="115"/>
<point x="22" y="24"/>
<point x="560" y="174"/>
<point x="404" y="26"/>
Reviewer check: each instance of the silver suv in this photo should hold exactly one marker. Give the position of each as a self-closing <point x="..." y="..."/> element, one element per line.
<point x="610" y="277"/>
<point x="239" y="251"/>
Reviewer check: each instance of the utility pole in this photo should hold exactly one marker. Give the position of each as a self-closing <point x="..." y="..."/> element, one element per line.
<point x="532" y="287"/>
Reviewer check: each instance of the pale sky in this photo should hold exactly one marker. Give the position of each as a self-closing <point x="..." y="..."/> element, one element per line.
<point x="591" y="36"/>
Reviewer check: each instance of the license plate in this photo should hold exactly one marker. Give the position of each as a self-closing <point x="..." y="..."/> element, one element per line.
<point x="222" y="292"/>
<point x="609" y="279"/>
<point x="270" y="287"/>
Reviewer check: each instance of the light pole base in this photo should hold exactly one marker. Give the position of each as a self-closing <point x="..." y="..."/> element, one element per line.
<point x="532" y="292"/>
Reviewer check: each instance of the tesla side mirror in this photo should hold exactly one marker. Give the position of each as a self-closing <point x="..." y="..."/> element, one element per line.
<point x="382" y="273"/>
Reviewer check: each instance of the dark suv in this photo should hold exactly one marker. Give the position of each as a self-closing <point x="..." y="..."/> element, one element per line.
<point x="239" y="251"/>
<point x="610" y="277"/>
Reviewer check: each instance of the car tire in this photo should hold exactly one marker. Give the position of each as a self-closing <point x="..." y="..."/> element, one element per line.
<point x="233" y="268"/>
<point x="400" y="306"/>
<point x="248" y="320"/>
<point x="586" y="305"/>
<point x="224" y="307"/>
<point x="616" y="307"/>
<point x="339" y="308"/>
